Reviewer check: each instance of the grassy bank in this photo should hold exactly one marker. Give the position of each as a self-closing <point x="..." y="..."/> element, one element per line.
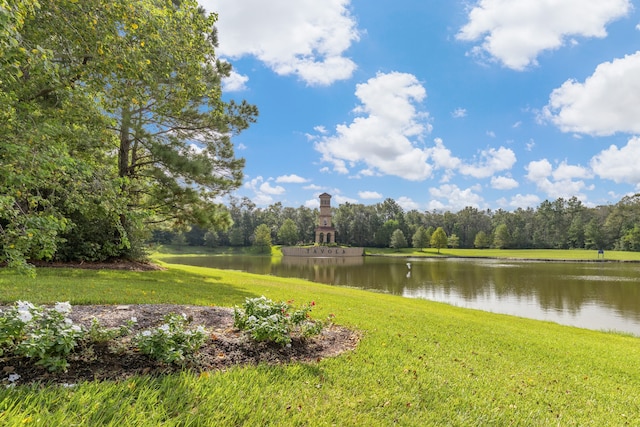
<point x="520" y="254"/>
<point x="418" y="363"/>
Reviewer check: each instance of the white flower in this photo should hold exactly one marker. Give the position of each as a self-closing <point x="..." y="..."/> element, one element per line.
<point x="164" y="328"/>
<point x="68" y="321"/>
<point x="63" y="307"/>
<point x="76" y="328"/>
<point x="24" y="316"/>
<point x="200" y="329"/>
<point x="13" y="378"/>
<point x="134" y="319"/>
<point x="24" y="311"/>
<point x="146" y="333"/>
<point x="24" y="305"/>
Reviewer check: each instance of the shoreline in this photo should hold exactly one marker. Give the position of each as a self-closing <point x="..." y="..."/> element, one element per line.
<point x="463" y="257"/>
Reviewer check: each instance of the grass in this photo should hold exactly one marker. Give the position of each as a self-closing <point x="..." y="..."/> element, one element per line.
<point x="530" y="254"/>
<point x="418" y="363"/>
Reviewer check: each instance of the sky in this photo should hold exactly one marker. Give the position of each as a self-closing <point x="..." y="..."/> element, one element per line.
<point x="439" y="105"/>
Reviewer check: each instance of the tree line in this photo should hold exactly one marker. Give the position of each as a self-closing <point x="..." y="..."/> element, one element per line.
<point x="558" y="224"/>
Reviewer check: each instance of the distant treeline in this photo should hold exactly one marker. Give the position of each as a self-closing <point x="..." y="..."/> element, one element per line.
<point x="559" y="224"/>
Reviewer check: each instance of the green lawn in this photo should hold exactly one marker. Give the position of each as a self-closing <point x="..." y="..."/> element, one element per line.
<point x="418" y="363"/>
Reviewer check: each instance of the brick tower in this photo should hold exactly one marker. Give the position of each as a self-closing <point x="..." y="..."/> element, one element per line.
<point x="325" y="232"/>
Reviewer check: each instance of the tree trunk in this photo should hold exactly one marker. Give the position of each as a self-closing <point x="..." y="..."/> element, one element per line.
<point x="125" y="144"/>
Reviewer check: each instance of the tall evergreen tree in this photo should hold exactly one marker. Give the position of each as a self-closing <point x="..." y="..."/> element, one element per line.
<point x="82" y="78"/>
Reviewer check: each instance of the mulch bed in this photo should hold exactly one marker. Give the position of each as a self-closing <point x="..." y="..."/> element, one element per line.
<point x="227" y="347"/>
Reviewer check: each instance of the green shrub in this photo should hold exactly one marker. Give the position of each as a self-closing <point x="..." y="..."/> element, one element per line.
<point x="45" y="335"/>
<point x="266" y="320"/>
<point x="172" y="341"/>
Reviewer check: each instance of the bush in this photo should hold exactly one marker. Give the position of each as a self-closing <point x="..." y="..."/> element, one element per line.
<point x="48" y="336"/>
<point x="172" y="341"/>
<point x="45" y="335"/>
<point x="266" y="320"/>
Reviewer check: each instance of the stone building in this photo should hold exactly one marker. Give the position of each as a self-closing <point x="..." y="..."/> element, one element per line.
<point x="325" y="232"/>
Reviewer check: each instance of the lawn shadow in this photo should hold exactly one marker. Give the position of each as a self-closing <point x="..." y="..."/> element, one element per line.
<point x="104" y="286"/>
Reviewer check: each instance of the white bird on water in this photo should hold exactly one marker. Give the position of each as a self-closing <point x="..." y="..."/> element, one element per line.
<point x="409" y="265"/>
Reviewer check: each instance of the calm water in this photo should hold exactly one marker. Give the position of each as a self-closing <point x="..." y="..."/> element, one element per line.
<point x="603" y="296"/>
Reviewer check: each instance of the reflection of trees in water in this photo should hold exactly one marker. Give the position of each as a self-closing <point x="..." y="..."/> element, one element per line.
<point x="327" y="261"/>
<point x="322" y="270"/>
<point x="556" y="286"/>
<point x="561" y="287"/>
<point x="252" y="264"/>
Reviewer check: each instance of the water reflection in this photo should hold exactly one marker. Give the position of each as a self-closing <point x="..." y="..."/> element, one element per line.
<point x="590" y="295"/>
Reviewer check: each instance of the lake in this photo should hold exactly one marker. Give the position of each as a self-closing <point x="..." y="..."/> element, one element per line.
<point x="599" y="295"/>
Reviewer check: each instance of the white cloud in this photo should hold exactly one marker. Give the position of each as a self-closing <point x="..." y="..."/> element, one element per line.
<point x="407" y="203"/>
<point x="442" y="157"/>
<point x="459" y="113"/>
<point x="491" y="161"/>
<point x="503" y="183"/>
<point x="559" y="182"/>
<point x="268" y="189"/>
<point x="312" y="203"/>
<point x="367" y="172"/>
<point x="306" y="38"/>
<point x="235" y="82"/>
<point x="565" y="171"/>
<point x="516" y="32"/>
<point x="538" y="170"/>
<point x="606" y="103"/>
<point x="263" y="191"/>
<point x="369" y="195"/>
<point x="453" y="198"/>
<point x="386" y="132"/>
<point x="524" y="201"/>
<point x="619" y="164"/>
<point x="291" y="179"/>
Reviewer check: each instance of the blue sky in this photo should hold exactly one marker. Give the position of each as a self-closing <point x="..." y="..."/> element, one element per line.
<point x="436" y="104"/>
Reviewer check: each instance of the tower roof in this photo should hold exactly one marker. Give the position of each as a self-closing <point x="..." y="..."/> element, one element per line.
<point x="325" y="195"/>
